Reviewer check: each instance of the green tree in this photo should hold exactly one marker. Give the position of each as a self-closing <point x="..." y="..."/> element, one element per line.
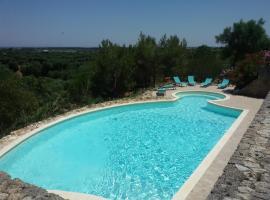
<point x="146" y="61"/>
<point x="112" y="70"/>
<point x="80" y="85"/>
<point x="34" y="68"/>
<point x="172" y="55"/>
<point x="17" y="104"/>
<point x="242" y="38"/>
<point x="205" y="62"/>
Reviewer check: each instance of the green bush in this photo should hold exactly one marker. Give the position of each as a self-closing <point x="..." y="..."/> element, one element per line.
<point x="17" y="105"/>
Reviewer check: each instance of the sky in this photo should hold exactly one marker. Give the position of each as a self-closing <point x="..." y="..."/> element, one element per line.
<point x="85" y="23"/>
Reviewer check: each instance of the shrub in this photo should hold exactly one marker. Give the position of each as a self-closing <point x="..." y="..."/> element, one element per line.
<point x="17" y="105"/>
<point x="247" y="70"/>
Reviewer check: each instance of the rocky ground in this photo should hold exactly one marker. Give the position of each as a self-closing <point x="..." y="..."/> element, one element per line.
<point x="247" y="175"/>
<point x="15" y="189"/>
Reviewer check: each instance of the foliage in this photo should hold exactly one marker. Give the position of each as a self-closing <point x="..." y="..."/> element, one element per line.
<point x="146" y="61"/>
<point x="113" y="71"/>
<point x="243" y="38"/>
<point x="17" y="104"/>
<point x="205" y="62"/>
<point x="247" y="69"/>
<point x="172" y="55"/>
<point x="79" y="86"/>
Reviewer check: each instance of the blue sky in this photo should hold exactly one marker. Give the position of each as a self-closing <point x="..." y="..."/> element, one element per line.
<point x="84" y="23"/>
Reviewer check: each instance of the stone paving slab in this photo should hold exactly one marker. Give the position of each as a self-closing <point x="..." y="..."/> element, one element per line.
<point x="247" y="175"/>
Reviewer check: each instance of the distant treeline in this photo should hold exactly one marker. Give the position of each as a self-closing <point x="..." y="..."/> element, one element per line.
<point x="38" y="83"/>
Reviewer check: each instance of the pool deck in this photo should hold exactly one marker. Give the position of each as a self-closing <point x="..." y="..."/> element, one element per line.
<point x="196" y="187"/>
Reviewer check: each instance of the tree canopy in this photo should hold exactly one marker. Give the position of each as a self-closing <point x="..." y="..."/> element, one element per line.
<point x="242" y="38"/>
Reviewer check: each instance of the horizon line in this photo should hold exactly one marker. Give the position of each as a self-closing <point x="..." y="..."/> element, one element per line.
<point x="83" y="47"/>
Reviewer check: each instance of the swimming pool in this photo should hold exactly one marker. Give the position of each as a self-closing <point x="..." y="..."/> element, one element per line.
<point x="139" y="151"/>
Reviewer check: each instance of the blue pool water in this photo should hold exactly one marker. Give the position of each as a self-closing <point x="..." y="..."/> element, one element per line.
<point x="141" y="151"/>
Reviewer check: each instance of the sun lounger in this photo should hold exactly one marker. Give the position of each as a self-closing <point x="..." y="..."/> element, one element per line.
<point x="207" y="82"/>
<point x="178" y="82"/>
<point x="191" y="81"/>
<point x="161" y="92"/>
<point x="223" y="84"/>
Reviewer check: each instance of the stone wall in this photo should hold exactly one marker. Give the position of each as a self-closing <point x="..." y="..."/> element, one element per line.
<point x="247" y="175"/>
<point x="15" y="189"/>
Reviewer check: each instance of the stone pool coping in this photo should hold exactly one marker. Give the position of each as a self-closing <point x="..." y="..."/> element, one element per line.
<point x="191" y="182"/>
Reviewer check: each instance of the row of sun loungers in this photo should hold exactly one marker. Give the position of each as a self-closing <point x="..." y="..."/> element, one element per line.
<point x="206" y="83"/>
<point x="177" y="82"/>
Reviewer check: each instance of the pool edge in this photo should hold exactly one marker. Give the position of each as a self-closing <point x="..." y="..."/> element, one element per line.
<point x="189" y="184"/>
<point x="75" y="195"/>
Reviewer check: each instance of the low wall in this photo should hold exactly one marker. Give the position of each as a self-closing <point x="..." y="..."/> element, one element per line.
<point x="247" y="175"/>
